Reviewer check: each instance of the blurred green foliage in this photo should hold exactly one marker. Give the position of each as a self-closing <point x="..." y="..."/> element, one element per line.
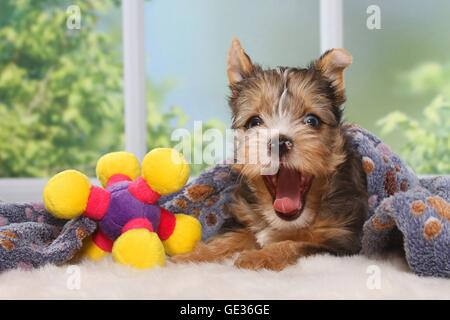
<point x="61" y="100"/>
<point x="60" y="89"/>
<point x="427" y="146"/>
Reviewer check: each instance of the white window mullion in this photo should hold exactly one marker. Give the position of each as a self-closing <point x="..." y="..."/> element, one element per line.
<point x="331" y="25"/>
<point x="134" y="77"/>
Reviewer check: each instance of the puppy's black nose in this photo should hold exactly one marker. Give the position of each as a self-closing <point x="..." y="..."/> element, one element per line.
<point x="285" y="145"/>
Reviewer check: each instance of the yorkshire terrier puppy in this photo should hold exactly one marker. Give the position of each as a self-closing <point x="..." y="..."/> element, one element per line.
<point x="315" y="200"/>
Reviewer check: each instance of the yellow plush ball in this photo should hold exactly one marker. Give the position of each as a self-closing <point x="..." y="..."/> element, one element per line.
<point x="92" y="251"/>
<point x="187" y="232"/>
<point x="66" y="194"/>
<point x="139" y="248"/>
<point x="165" y="170"/>
<point x="117" y="163"/>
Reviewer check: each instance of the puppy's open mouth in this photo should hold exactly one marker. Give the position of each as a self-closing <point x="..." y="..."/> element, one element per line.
<point x="288" y="188"/>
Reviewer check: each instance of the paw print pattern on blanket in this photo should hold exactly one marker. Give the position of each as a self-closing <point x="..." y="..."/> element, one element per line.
<point x="441" y="206"/>
<point x="403" y="207"/>
<point x="3" y="221"/>
<point x="7" y="240"/>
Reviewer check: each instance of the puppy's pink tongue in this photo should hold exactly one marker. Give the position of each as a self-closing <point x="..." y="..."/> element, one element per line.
<point x="288" y="193"/>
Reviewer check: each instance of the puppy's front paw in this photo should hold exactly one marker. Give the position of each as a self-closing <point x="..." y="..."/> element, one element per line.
<point x="201" y="253"/>
<point x="257" y="259"/>
<point x="184" y="258"/>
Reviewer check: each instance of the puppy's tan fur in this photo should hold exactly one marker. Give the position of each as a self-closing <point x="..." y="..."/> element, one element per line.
<point x="336" y="204"/>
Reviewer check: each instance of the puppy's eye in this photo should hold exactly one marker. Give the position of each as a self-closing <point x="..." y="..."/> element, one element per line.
<point x="254" y="122"/>
<point x="312" y="121"/>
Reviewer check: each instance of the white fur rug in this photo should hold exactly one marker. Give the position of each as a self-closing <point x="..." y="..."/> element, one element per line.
<point x="319" y="277"/>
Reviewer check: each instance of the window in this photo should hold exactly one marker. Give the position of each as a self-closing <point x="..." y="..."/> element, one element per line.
<point x="60" y="86"/>
<point x="61" y="100"/>
<point x="186" y="49"/>
<point x="129" y="72"/>
<point x="402" y="67"/>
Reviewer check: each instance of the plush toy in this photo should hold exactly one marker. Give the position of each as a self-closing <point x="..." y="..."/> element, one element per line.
<point x="131" y="225"/>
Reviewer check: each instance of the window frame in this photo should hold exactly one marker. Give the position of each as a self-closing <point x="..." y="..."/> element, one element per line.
<point x="135" y="110"/>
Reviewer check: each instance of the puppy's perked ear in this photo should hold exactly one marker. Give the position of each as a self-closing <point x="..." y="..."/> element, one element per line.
<point x="332" y="65"/>
<point x="239" y="64"/>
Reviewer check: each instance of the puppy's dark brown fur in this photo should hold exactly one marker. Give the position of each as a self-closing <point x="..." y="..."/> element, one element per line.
<point x="335" y="205"/>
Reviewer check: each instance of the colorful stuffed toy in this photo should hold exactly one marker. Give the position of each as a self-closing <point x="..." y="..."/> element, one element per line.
<point x="130" y="224"/>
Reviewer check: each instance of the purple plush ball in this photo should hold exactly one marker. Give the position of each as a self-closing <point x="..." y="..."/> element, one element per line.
<point x="124" y="207"/>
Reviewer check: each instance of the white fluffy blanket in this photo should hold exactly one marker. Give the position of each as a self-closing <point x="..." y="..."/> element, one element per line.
<point x="318" y="277"/>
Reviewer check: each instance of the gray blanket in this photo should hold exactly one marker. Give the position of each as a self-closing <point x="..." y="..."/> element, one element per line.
<point x="401" y="207"/>
<point x="30" y="237"/>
